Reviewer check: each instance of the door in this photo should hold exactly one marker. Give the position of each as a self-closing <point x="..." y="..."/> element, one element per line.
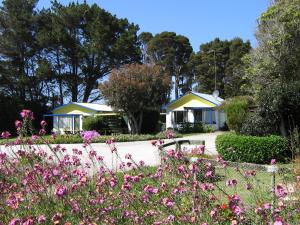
<point x="198" y="115"/>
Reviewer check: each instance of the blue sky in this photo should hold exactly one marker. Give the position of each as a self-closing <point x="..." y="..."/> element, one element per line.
<point x="199" y="20"/>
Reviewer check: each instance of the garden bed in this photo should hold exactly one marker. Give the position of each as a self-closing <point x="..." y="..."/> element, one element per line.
<point x="76" y="139"/>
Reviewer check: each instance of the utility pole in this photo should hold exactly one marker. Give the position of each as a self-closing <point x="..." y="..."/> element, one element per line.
<point x="215" y="66"/>
<point x="215" y="69"/>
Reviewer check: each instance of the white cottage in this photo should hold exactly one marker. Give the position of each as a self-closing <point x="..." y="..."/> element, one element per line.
<point x="195" y="108"/>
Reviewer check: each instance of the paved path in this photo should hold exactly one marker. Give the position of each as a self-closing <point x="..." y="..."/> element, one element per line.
<point x="140" y="150"/>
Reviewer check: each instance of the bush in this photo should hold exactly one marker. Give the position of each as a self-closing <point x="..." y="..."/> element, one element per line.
<point x="236" y="110"/>
<point x="192" y="128"/>
<point x="107" y="124"/>
<point x="256" y="125"/>
<point x="241" y="148"/>
<point x="93" y="123"/>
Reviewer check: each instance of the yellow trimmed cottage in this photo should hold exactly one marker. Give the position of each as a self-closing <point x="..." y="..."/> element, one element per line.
<point x="195" y="108"/>
<point x="69" y="117"/>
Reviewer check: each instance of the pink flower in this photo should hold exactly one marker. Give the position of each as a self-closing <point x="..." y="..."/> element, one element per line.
<point x="28" y="222"/>
<point x="27" y="114"/>
<point x="34" y="137"/>
<point x="170" y="134"/>
<point x="171" y="218"/>
<point x="41" y="219"/>
<point x="280" y="192"/>
<point x="61" y="191"/>
<point x="231" y="183"/>
<point x="14" y="200"/>
<point x="273" y="161"/>
<point x="88" y="136"/>
<point x="267" y="206"/>
<point x="298" y="178"/>
<point x="5" y="134"/>
<point x="181" y="169"/>
<point x="213" y="213"/>
<point x="18" y="124"/>
<point x="278" y="221"/>
<point x="128" y="156"/>
<point x="170" y="152"/>
<point x="198" y="150"/>
<point x="43" y="123"/>
<point x="42" y="132"/>
<point x="168" y="203"/>
<point x="53" y="135"/>
<point x="14" y="221"/>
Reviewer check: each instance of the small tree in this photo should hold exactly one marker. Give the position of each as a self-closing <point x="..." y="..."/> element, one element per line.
<point x="136" y="88"/>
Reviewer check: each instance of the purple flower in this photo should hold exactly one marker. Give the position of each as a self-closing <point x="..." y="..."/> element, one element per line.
<point x="18" y="124"/>
<point x="88" y="136"/>
<point x="5" y="134"/>
<point x="280" y="192"/>
<point x="41" y="219"/>
<point x="43" y="123"/>
<point x="170" y="134"/>
<point x="231" y="183"/>
<point x="273" y="161"/>
<point x="61" y="191"/>
<point x="27" y="114"/>
<point x="15" y="221"/>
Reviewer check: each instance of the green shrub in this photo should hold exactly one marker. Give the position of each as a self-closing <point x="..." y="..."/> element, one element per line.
<point x="236" y="110"/>
<point x="105" y="124"/>
<point x="256" y="125"/>
<point x="93" y="123"/>
<point x="242" y="148"/>
<point x="192" y="128"/>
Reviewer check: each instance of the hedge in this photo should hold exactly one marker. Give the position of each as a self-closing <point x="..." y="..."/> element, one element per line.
<point x="252" y="149"/>
<point x="75" y="139"/>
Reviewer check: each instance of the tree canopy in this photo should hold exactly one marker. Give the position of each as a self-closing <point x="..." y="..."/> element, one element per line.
<point x="223" y="58"/>
<point x="136" y="88"/>
<point x="274" y="67"/>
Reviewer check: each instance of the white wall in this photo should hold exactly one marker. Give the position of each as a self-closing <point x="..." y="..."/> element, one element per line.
<point x="169" y="119"/>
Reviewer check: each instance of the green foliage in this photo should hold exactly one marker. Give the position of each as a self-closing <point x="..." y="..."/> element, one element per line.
<point x="77" y="139"/>
<point x="236" y="110"/>
<point x="255" y="125"/>
<point x="242" y="148"/>
<point x="173" y="52"/>
<point x="150" y="123"/>
<point x="135" y="89"/>
<point x="274" y="65"/>
<point x="107" y="124"/>
<point x="227" y="56"/>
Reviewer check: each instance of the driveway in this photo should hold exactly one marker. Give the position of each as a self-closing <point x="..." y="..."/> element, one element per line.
<point x="140" y="150"/>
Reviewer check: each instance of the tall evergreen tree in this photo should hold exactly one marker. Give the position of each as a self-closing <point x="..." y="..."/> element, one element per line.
<point x="219" y="63"/>
<point x="84" y="45"/>
<point x="173" y="52"/>
<point x="19" y="52"/>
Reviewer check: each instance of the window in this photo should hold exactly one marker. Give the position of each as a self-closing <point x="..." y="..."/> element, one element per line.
<point x="76" y="123"/>
<point x="65" y="122"/>
<point x="210" y="116"/>
<point x="180" y="116"/>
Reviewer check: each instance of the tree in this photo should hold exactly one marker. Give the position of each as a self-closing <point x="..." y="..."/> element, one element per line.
<point x="171" y="51"/>
<point x="274" y="68"/>
<point x="136" y="88"/>
<point x="84" y="45"/>
<point x="20" y="54"/>
<point x="222" y="59"/>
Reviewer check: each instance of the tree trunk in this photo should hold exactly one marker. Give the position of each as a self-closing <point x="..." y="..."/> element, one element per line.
<point x="176" y="86"/>
<point x="140" y="122"/>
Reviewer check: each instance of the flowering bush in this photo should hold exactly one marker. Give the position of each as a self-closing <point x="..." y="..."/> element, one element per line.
<point x="56" y="187"/>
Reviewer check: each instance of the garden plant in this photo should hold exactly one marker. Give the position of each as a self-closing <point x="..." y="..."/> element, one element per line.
<point x="38" y="186"/>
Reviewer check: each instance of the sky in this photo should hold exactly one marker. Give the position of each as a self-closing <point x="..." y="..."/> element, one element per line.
<point x="199" y="20"/>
